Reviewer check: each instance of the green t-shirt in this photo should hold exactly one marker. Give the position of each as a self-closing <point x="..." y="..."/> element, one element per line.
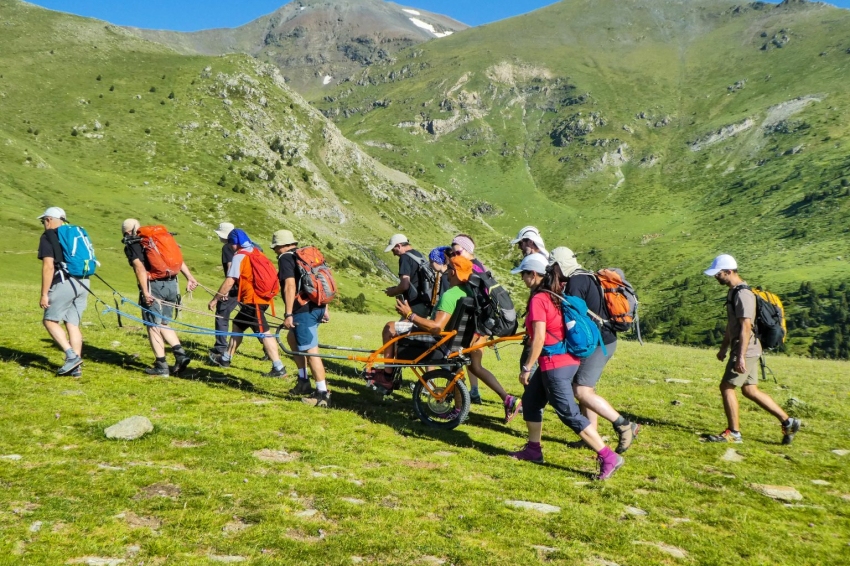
<point x="448" y="300"/>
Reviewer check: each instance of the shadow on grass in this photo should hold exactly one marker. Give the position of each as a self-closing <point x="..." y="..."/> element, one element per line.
<point x="649" y="421"/>
<point x="29" y="359"/>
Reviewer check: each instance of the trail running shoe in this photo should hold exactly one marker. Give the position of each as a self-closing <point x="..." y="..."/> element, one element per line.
<point x="77" y="372"/>
<point x="608" y="466"/>
<point x="302" y="387"/>
<point x="726" y="436"/>
<point x="180" y="364"/>
<point x="528" y="454"/>
<point x="159" y="370"/>
<point x="216" y="359"/>
<point x="69" y="365"/>
<point x="627" y="433"/>
<point x="276" y="373"/>
<point x="318" y="399"/>
<point x="512" y="407"/>
<point x="789" y="430"/>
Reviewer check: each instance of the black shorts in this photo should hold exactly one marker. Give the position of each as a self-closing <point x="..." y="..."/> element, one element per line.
<point x="247" y="318"/>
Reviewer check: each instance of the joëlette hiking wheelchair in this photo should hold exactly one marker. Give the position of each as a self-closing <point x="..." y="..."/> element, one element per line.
<point x="440" y="395"/>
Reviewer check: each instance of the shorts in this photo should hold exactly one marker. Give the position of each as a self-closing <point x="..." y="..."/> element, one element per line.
<point x="307" y="328"/>
<point x="247" y="318"/>
<point x="590" y="369"/>
<point x="157" y="312"/>
<point x="732" y="377"/>
<point x="68" y="300"/>
<point x="403" y="327"/>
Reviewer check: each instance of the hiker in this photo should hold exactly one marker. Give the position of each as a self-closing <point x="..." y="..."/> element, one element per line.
<point x="529" y="241"/>
<point x="744" y="349"/>
<point x="464" y="246"/>
<point x="583" y="284"/>
<point x="63" y="296"/>
<point x="224" y="308"/>
<point x="156" y="259"/>
<point x="302" y="318"/>
<point x="252" y="306"/>
<point x="411" y="265"/>
<point x="459" y="270"/>
<point x="551" y="382"/>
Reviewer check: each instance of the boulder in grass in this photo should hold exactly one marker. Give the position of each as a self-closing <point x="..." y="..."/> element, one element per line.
<point x="129" y="429"/>
<point x="541" y="507"/>
<point x="779" y="492"/>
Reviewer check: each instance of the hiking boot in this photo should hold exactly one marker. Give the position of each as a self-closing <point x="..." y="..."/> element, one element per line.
<point x="180" y="363"/>
<point x="280" y="373"/>
<point x="609" y="465"/>
<point x="302" y="387"/>
<point x="159" y="370"/>
<point x="789" y="430"/>
<point x="318" y="399"/>
<point x="725" y="436"/>
<point x="70" y="365"/>
<point x="512" y="407"/>
<point x="529" y="454"/>
<point x="217" y="360"/>
<point x="627" y="434"/>
<point x="475" y="400"/>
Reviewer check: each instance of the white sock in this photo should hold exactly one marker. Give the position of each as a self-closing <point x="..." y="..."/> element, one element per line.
<point x="302" y="373"/>
<point x="321" y="385"/>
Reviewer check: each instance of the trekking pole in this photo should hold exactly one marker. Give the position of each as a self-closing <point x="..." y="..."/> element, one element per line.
<point x="763" y="364"/>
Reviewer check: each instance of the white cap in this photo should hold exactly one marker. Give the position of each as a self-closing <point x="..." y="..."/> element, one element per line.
<point x="535" y="262"/>
<point x="224" y="229"/>
<point x="720" y="263"/>
<point x="53" y="212"/>
<point x="533" y="234"/>
<point x="566" y="260"/>
<point x="396" y="240"/>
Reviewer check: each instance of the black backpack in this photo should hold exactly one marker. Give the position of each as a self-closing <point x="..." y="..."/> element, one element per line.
<point x="495" y="314"/>
<point x="425" y="277"/>
<point x="768" y="325"/>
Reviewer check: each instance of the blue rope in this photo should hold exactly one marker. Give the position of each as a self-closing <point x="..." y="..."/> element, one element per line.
<point x="200" y="330"/>
<point x="158" y="315"/>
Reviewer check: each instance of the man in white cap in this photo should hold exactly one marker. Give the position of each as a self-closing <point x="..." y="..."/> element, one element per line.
<point x="62" y="296"/>
<point x="414" y="273"/>
<point x="529" y="241"/>
<point x="744" y="348"/>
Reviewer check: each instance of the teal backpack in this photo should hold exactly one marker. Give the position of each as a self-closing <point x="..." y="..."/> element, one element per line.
<point x="78" y="251"/>
<point x="581" y="334"/>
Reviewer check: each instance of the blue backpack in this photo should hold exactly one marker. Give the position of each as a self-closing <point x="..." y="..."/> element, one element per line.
<point x="580" y="338"/>
<point x="78" y="251"/>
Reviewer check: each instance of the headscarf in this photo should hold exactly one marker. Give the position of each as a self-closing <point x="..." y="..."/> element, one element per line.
<point x="462" y="267"/>
<point x="240" y="238"/>
<point x="438" y="255"/>
<point x="465" y="243"/>
<point x="566" y="259"/>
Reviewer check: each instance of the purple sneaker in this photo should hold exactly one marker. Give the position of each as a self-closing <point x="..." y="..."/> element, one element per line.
<point x="529" y="453"/>
<point x="609" y="464"/>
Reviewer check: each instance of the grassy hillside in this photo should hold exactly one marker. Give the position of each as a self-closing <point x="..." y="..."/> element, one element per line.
<point x="647" y="134"/>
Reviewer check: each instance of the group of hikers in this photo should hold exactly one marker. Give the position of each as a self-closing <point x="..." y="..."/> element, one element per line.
<point x="427" y="295"/>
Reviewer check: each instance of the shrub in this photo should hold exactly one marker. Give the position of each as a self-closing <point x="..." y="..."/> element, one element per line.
<point x="111" y="88"/>
<point x="74" y="132"/>
<point x="277" y="165"/>
<point x="106" y="123"/>
<point x="222" y="181"/>
<point x="329" y="246"/>
<point x="35" y="132"/>
<point x="98" y="78"/>
<point x="171" y="95"/>
<point x="354" y="304"/>
<point x="235" y="188"/>
<point x="153" y="89"/>
<point x="147" y="130"/>
<point x="162" y="102"/>
<point x="132" y="110"/>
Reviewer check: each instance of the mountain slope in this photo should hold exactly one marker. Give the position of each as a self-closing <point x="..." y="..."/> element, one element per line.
<point x="317" y="42"/>
<point x="652" y="134"/>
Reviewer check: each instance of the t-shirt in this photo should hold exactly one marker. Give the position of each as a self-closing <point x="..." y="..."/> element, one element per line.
<point x="134" y="251"/>
<point x="49" y="246"/>
<point x="742" y="304"/>
<point x="408" y="266"/>
<point x="542" y="309"/>
<point x="449" y="300"/>
<point x="287" y="268"/>
<point x="585" y="286"/>
<point x="227" y="253"/>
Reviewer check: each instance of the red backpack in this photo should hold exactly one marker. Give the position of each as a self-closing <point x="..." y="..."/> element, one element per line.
<point x="266" y="285"/>
<point x="315" y="283"/>
<point x="161" y="251"/>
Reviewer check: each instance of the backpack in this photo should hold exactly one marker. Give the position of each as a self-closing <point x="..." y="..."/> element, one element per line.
<point x="581" y="333"/>
<point x="769" y="325"/>
<point x="495" y="314"/>
<point x="161" y="251"/>
<point x="621" y="302"/>
<point x="315" y="283"/>
<point x="78" y="251"/>
<point x="266" y="284"/>
<point x="425" y="276"/>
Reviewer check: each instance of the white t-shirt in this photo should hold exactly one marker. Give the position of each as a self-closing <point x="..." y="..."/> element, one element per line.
<point x="236" y="262"/>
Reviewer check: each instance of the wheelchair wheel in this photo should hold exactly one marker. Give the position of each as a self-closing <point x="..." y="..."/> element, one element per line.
<point x="448" y="413"/>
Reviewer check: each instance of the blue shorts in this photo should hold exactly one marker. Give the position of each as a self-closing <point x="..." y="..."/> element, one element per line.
<point x="307" y="328"/>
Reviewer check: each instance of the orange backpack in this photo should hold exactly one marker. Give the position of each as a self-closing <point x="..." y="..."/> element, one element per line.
<point x="266" y="284"/>
<point x="161" y="252"/>
<point x="621" y="302"/>
<point x="315" y="283"/>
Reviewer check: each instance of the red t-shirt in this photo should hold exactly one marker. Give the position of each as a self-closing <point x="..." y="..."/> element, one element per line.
<point x="541" y="308"/>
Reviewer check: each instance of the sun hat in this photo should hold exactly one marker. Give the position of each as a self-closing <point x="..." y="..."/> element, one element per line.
<point x="464" y="242"/>
<point x="283" y="238"/>
<point x="533" y="234"/>
<point x="53" y="212"/>
<point x="396" y="240"/>
<point x="535" y="262"/>
<point x="129" y="226"/>
<point x="438" y="255"/>
<point x="462" y="267"/>
<point x="224" y="229"/>
<point x="721" y="263"/>
<point x="566" y="260"/>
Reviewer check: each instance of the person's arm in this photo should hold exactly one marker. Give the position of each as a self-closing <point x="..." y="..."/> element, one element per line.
<point x="142" y="278"/>
<point x="221" y="294"/>
<point x="47" y="271"/>
<point x="192" y="282"/>
<point x="538" y="328"/>
<point x="289" y="289"/>
<point x="433" y="326"/>
<point x="403" y="285"/>
<point x="744" y="337"/>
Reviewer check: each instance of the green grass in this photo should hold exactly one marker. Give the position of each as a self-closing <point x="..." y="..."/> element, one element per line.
<point x="419" y="492"/>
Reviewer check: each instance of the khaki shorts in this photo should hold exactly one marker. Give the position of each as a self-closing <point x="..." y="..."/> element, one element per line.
<point x="740" y="379"/>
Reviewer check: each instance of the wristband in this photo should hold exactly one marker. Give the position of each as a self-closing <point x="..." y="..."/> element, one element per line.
<point x="525" y="369"/>
<point x="409" y="317"/>
<point x="287" y="315"/>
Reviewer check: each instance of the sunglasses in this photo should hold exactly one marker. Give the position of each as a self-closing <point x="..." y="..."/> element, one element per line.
<point x="453" y="253"/>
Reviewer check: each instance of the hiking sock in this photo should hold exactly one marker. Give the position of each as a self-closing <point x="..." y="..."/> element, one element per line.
<point x="161" y="362"/>
<point x="787" y="422"/>
<point x="178" y="351"/>
<point x="321" y="386"/>
<point x="302" y="373"/>
<point x="621" y="420"/>
<point x="607" y="454"/>
<point x="734" y="431"/>
<point x="70" y="354"/>
<point x="225" y="357"/>
<point x="278" y="365"/>
<point x="534" y="445"/>
<point x="473" y="392"/>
